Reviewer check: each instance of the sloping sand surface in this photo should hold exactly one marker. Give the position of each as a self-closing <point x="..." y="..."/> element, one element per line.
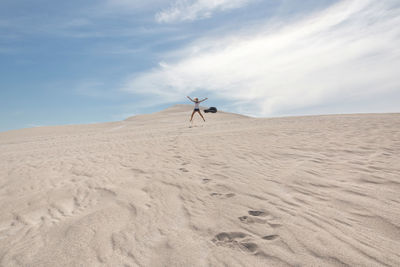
<point x="234" y="191"/>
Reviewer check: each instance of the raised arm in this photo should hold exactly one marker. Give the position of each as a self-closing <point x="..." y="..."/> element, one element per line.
<point x="190" y="98"/>
<point x="203" y="99"/>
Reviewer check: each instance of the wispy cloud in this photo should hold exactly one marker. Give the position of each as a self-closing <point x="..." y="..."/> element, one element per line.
<point x="189" y="10"/>
<point x="97" y="19"/>
<point x="347" y="53"/>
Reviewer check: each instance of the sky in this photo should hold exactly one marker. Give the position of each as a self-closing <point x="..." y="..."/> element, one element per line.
<point x="73" y="62"/>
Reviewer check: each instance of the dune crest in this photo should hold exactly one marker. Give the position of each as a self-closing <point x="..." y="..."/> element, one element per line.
<point x="234" y="191"/>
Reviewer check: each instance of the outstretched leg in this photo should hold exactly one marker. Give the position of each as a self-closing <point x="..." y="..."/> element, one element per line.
<point x="191" y="118"/>
<point x="201" y="115"/>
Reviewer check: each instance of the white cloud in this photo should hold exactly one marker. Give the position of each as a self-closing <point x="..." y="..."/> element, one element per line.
<point x="189" y="10"/>
<point x="348" y="53"/>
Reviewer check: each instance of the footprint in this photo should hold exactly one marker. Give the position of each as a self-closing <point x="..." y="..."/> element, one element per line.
<point x="275" y="225"/>
<point x="270" y="237"/>
<point x="183" y="170"/>
<point x="222" y="196"/>
<point x="243" y="218"/>
<point x="206" y="180"/>
<point x="251" y="247"/>
<point x="249" y="220"/>
<point x="257" y="213"/>
<point x="235" y="239"/>
<point x="229" y="236"/>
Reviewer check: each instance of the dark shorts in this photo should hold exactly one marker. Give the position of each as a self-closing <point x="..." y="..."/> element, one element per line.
<point x="196" y="109"/>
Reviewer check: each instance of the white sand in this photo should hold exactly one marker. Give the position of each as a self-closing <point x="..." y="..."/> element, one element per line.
<point x="234" y="191"/>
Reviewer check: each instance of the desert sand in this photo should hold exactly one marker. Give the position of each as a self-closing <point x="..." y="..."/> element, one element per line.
<point x="233" y="191"/>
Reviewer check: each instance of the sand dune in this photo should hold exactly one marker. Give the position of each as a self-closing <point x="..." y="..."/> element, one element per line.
<point x="234" y="191"/>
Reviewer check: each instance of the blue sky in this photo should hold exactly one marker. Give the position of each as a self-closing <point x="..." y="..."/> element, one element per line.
<point x="70" y="62"/>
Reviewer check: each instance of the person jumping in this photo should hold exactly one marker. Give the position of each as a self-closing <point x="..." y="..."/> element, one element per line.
<point x="196" y="107"/>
